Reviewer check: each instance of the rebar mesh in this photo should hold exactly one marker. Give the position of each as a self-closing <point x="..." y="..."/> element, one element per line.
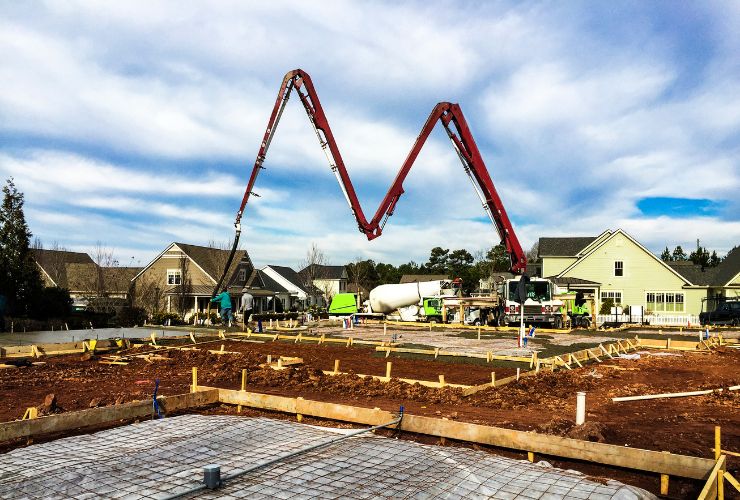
<point x="154" y="459"/>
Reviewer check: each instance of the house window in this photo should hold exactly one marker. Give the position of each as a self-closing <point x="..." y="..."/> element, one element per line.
<point x="618" y="268"/>
<point x="174" y="277"/>
<point x="664" y="301"/>
<point x="615" y="296"/>
<point x="242" y="276"/>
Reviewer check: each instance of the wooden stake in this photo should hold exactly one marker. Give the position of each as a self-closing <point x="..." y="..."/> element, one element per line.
<point x="717" y="442"/>
<point x="388" y="369"/>
<point x="194" y="387"/>
<point x="493" y="379"/>
<point x="517" y="373"/>
<point x="478" y="333"/>
<point x="336" y="366"/>
<point x="664" y="484"/>
<point x="441" y="380"/>
<point x="244" y="388"/>
<point x="530" y="456"/>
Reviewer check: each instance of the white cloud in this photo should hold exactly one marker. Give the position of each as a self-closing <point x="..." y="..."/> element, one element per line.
<point x="575" y="124"/>
<point x="49" y="172"/>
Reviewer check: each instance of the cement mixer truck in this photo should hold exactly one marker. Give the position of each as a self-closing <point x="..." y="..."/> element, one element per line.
<point x="420" y="301"/>
<point x="439" y="301"/>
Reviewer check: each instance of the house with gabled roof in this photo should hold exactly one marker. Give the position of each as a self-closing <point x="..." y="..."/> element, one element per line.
<point x="330" y="280"/>
<point x="102" y="288"/>
<point x="182" y="278"/>
<point x="616" y="266"/>
<point x="294" y="294"/>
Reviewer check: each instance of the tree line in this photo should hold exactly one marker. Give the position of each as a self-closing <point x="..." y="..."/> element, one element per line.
<point x="460" y="263"/>
<point x="700" y="256"/>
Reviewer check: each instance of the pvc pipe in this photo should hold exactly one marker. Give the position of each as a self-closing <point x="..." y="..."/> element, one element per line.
<point x="673" y="394"/>
<point x="580" y="408"/>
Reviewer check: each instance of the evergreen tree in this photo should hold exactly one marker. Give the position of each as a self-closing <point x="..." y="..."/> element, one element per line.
<point x="20" y="281"/>
<point x="666" y="255"/>
<point x="700" y="257"/>
<point x="714" y="259"/>
<point x="499" y="258"/>
<point x="679" y="254"/>
<point x="438" y="260"/>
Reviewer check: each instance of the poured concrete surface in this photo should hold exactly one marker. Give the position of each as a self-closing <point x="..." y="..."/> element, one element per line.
<point x="154" y="459"/>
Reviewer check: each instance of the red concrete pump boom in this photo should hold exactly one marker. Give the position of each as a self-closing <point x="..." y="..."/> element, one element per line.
<point x="453" y="121"/>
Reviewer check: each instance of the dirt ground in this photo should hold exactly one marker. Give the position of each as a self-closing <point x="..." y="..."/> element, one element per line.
<point x="545" y="403"/>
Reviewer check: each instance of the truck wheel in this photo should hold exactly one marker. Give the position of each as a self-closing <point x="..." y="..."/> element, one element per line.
<point x="558" y="323"/>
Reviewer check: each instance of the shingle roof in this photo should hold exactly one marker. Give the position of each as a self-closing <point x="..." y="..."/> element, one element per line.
<point x="728" y="268"/>
<point x="271" y="284"/>
<point x="694" y="273"/>
<point x="290" y="275"/>
<point x="55" y="263"/>
<point x="563" y="247"/>
<point x="323" y="272"/>
<point x="571" y="281"/>
<point x="82" y="277"/>
<point x="416" y="278"/>
<point x="212" y="260"/>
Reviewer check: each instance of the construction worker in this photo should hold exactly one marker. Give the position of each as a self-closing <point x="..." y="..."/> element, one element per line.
<point x="224" y="301"/>
<point x="247" y="305"/>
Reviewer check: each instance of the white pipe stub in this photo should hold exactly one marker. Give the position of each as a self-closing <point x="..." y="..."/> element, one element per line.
<point x="580" y="408"/>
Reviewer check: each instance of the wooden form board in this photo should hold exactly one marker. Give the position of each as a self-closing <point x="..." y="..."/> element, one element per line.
<point x="459" y="326"/>
<point x="38" y="350"/>
<point x="608" y="454"/>
<point x="321" y="339"/>
<point x="96" y="416"/>
<point x="425" y="383"/>
<point x="488" y="356"/>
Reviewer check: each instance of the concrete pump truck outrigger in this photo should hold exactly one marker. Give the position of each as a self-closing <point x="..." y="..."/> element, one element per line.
<point x="457" y="130"/>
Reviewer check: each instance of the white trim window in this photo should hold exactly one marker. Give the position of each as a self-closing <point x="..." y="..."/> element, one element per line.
<point x="618" y="268"/>
<point x="615" y="295"/>
<point x="174" y="276"/>
<point x="242" y="275"/>
<point x="665" y="301"/>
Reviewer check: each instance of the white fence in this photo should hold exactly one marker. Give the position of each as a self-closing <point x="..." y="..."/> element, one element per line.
<point x="652" y="319"/>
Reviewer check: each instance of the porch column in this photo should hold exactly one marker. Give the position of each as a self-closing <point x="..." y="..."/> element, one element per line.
<point x="195" y="305"/>
<point x="168" y="303"/>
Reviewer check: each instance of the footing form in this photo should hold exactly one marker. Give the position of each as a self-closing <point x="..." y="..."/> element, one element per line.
<point x="155" y="459"/>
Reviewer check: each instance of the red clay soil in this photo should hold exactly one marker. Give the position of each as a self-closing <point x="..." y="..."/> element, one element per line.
<point x="545" y="403"/>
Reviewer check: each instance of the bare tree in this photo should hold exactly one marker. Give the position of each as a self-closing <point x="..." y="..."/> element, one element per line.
<point x="186" y="286"/>
<point x="218" y="260"/>
<point x="313" y="270"/>
<point x="53" y="262"/>
<point x="147" y="294"/>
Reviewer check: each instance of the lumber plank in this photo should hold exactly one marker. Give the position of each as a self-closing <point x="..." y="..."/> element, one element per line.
<point x="608" y="454"/>
<point x="107" y="414"/>
<point x="710" y="487"/>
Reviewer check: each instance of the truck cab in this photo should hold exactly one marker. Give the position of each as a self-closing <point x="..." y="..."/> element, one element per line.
<point x="726" y="313"/>
<point x="539" y="308"/>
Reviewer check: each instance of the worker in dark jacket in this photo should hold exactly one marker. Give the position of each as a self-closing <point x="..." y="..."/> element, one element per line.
<point x="224" y="302"/>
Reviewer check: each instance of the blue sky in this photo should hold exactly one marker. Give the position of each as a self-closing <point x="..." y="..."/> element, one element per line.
<point x="136" y="123"/>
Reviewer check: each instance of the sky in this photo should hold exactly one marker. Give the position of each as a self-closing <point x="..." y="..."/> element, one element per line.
<point x="136" y="124"/>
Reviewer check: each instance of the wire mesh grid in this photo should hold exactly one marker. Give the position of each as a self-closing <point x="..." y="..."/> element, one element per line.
<point x="154" y="459"/>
